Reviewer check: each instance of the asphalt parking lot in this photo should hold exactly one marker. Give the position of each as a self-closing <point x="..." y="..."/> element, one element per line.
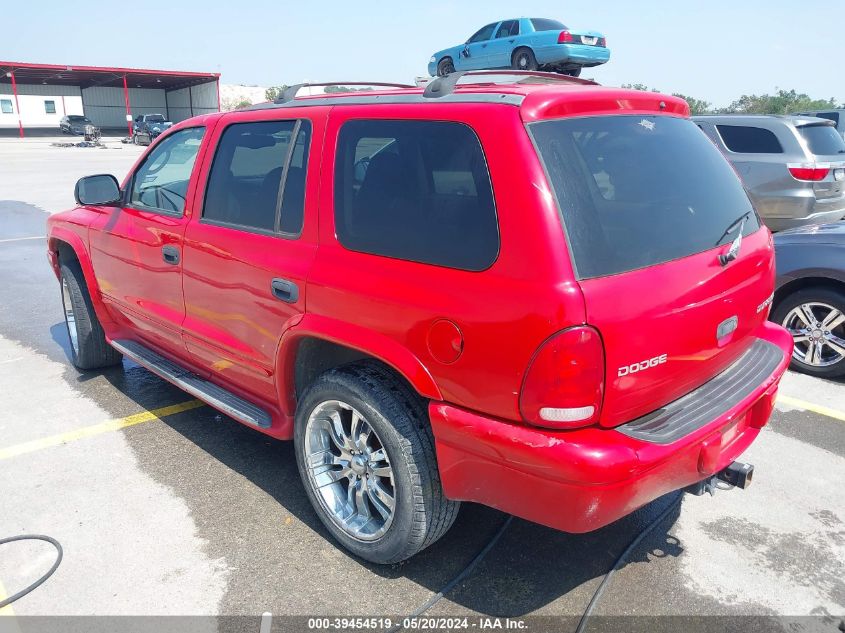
<point x="165" y="507"/>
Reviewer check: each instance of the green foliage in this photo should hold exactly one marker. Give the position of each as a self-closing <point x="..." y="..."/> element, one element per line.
<point x="696" y="106"/>
<point x="334" y="89"/>
<point x="273" y="92"/>
<point x="782" y="102"/>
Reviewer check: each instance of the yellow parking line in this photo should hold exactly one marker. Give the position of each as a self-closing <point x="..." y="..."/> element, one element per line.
<point x="815" y="408"/>
<point x="97" y="429"/>
<point x="7" y="610"/>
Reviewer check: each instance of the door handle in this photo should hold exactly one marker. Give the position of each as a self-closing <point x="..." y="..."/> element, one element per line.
<point x="285" y="290"/>
<point x="511" y="41"/>
<point x="170" y="254"/>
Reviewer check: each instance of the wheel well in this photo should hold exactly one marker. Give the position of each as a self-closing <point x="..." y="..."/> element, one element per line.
<point x="65" y="251"/>
<point x="805" y="282"/>
<point x="315" y="356"/>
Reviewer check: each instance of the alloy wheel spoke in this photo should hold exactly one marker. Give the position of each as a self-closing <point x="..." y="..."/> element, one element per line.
<point x="833" y="320"/>
<point x="807" y="315"/>
<point x="378" y="490"/>
<point x="378" y="504"/>
<point x="814" y="353"/>
<point x="836" y="344"/>
<point x="361" y="507"/>
<point x="382" y="471"/>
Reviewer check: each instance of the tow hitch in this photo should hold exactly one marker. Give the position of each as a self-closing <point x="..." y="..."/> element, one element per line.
<point x="737" y="475"/>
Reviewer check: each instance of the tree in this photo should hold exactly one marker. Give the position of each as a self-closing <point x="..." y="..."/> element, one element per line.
<point x="274" y="92"/>
<point x="334" y="89"/>
<point x="696" y="106"/>
<point x="782" y="102"/>
<point x="235" y="103"/>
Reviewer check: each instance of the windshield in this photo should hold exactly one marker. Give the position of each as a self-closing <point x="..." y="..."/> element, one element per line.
<point x="155" y="118"/>
<point x="636" y="191"/>
<point x="822" y="140"/>
<point x="78" y="119"/>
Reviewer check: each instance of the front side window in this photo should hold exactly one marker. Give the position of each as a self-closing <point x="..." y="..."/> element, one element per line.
<point x="415" y="190"/>
<point x="6" y="106"/>
<point x="745" y="139"/>
<point x="257" y="180"/>
<point x="637" y="191"/>
<point x="50" y="107"/>
<point x="161" y="183"/>
<point x="482" y="35"/>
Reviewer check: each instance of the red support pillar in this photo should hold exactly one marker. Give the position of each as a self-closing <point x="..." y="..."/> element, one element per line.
<point x="17" y="105"/>
<point x="218" y="94"/>
<point x="128" y="112"/>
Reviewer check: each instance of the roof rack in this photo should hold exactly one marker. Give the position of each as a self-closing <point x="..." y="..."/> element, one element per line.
<point x="289" y="93"/>
<point x="442" y="86"/>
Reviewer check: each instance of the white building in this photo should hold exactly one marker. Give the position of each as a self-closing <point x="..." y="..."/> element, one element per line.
<point x="39" y="95"/>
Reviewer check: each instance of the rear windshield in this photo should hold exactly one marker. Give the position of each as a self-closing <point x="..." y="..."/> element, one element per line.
<point x="635" y="191"/>
<point x="542" y="24"/>
<point x="822" y="140"/>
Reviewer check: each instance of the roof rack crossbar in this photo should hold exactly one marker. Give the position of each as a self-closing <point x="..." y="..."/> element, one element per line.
<point x="442" y="86"/>
<point x="289" y="93"/>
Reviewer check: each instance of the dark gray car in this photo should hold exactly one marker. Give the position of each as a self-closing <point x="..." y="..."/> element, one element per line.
<point x="809" y="298"/>
<point x="793" y="167"/>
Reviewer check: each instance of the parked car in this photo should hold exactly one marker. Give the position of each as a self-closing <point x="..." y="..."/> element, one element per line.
<point x="387" y="278"/>
<point x="74" y="124"/>
<point x="147" y="127"/>
<point x="837" y="115"/>
<point x="810" y="297"/>
<point x="793" y="167"/>
<point x="524" y="44"/>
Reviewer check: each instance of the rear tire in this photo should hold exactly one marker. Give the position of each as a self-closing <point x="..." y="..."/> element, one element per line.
<point x="523" y="59"/>
<point x="445" y="67"/>
<point x="573" y="72"/>
<point x="826" y="307"/>
<point x="88" y="346"/>
<point x="347" y="465"/>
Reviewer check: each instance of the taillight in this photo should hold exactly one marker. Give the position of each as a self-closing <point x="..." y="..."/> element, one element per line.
<point x="603" y="42"/>
<point x="810" y="172"/>
<point x="564" y="385"/>
<point x="564" y="37"/>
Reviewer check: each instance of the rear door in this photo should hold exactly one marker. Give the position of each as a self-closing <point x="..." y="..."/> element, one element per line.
<point x="649" y="205"/>
<point x="248" y="253"/>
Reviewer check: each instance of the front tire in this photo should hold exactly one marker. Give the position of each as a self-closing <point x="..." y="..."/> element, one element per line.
<point x="523" y="59"/>
<point x="445" y="67"/>
<point x="88" y="346"/>
<point x="816" y="319"/>
<point x="365" y="453"/>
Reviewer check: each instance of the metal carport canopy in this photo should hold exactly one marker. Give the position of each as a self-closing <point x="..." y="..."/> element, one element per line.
<point x="116" y="77"/>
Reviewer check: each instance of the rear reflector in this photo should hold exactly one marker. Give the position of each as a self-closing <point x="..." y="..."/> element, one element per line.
<point x="564" y="384"/>
<point x="809" y="173"/>
<point x="603" y="41"/>
<point x="564" y="37"/>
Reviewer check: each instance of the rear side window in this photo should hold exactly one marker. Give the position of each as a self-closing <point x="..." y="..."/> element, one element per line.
<point x="744" y="139"/>
<point x="415" y="190"/>
<point x="509" y="28"/>
<point x="822" y="140"/>
<point x="638" y="191"/>
<point x="254" y="164"/>
<point x="542" y="24"/>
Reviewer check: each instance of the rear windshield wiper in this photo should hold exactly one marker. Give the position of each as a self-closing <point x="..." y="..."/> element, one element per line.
<point x="733" y="251"/>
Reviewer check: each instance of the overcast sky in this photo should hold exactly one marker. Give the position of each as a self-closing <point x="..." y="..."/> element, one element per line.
<point x="712" y="50"/>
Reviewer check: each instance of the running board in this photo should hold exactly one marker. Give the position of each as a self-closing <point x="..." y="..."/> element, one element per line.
<point x="208" y="392"/>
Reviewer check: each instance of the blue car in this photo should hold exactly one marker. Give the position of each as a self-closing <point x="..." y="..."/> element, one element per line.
<point x="524" y="44"/>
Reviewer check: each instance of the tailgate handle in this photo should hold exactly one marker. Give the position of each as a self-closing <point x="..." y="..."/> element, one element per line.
<point x="285" y="290"/>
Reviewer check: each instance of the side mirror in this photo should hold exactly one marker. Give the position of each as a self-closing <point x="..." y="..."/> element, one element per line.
<point x="97" y="190"/>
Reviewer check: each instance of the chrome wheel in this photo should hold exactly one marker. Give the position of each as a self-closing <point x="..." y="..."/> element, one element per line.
<point x="349" y="470"/>
<point x="818" y="330"/>
<point x="70" y="317"/>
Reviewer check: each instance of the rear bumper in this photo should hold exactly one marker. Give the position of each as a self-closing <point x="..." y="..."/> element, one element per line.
<point x="576" y="54"/>
<point x="814" y="212"/>
<point x="578" y="481"/>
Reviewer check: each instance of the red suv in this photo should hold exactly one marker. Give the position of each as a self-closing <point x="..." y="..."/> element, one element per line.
<point x="542" y="295"/>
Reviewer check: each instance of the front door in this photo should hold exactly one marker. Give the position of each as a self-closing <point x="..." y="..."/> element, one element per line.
<point x="247" y="256"/>
<point x="475" y="54"/>
<point x="136" y="249"/>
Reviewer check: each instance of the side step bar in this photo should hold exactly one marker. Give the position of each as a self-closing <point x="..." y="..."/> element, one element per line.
<point x="208" y="392"/>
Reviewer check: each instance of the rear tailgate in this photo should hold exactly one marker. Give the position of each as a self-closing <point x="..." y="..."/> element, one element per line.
<point x="827" y="147"/>
<point x="649" y="204"/>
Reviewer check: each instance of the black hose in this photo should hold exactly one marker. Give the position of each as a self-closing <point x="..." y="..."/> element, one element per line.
<point x="582" y="625"/>
<point x="466" y="571"/>
<point x="40" y="581"/>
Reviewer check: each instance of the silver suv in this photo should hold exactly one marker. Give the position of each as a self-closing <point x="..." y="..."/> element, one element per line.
<point x="792" y="166"/>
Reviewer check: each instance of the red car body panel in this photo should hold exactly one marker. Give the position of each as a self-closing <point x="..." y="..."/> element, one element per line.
<point x="463" y="340"/>
<point x="583" y="479"/>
